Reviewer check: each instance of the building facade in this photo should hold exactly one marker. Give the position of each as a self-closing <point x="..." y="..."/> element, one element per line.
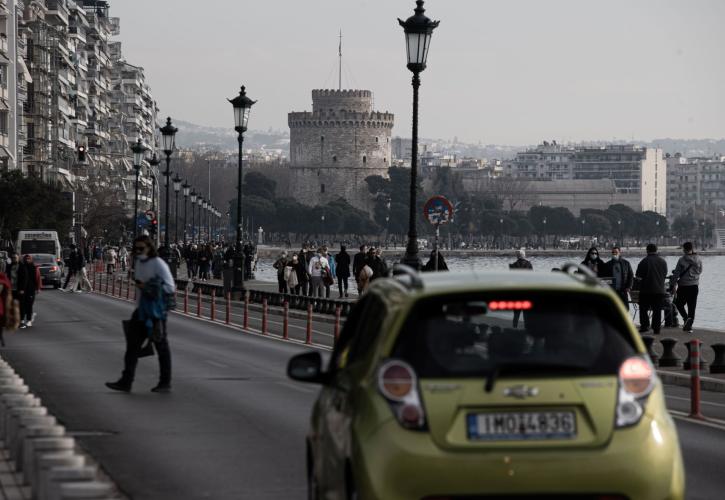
<point x="639" y="175"/>
<point x="336" y="146"/>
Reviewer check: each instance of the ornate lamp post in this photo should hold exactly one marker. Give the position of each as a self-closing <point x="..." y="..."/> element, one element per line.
<point x="168" y="134"/>
<point x="187" y="188"/>
<point x="242" y="107"/>
<point x="199" y="203"/>
<point x="193" y="205"/>
<point x="138" y="149"/>
<point x="619" y="225"/>
<point x="154" y="163"/>
<point x="418" y="32"/>
<point x="177" y="188"/>
<point x="205" y="218"/>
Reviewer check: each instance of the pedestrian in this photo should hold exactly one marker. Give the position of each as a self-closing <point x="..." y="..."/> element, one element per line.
<point x="155" y="285"/>
<point x="29" y="285"/>
<point x="521" y="261"/>
<point x="11" y="271"/>
<point x="358" y="262"/>
<point x="593" y="262"/>
<point x="431" y="264"/>
<point x="290" y="275"/>
<point x="381" y="266"/>
<point x="327" y="276"/>
<point x="314" y="269"/>
<point x="9" y="309"/>
<point x="205" y="257"/>
<point x="280" y="265"/>
<point x="652" y="270"/>
<point x="123" y="257"/>
<point x="620" y="270"/>
<point x="70" y="264"/>
<point x="111" y="260"/>
<point x="686" y="277"/>
<point x="342" y="270"/>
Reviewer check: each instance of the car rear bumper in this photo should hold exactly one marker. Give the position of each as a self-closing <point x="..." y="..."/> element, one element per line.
<point x="642" y="462"/>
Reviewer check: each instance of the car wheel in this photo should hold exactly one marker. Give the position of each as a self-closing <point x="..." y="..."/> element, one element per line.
<point x="313" y="488"/>
<point x="56" y="285"/>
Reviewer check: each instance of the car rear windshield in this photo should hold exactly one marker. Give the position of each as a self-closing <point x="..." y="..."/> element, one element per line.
<point x="514" y="333"/>
<point x="44" y="259"/>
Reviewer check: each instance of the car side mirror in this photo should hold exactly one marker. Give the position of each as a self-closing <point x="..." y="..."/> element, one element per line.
<point x="307" y="367"/>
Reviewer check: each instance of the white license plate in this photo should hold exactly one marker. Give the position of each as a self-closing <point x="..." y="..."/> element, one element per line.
<point x="521" y="425"/>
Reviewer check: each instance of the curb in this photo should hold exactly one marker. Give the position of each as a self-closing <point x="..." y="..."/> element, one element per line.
<point x="49" y="459"/>
<point x="682" y="380"/>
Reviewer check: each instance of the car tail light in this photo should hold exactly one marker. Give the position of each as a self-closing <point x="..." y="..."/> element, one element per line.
<point x="636" y="381"/>
<point x="53" y="269"/>
<point x="398" y="384"/>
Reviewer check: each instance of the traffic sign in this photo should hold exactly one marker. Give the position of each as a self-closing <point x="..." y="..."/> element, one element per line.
<point x="438" y="210"/>
<point x="142" y="221"/>
<point x="150" y="214"/>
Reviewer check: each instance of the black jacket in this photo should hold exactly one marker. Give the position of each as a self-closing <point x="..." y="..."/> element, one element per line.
<point x="521" y="263"/>
<point x="653" y="271"/>
<point x="27" y="279"/>
<point x="342" y="264"/>
<point x="358" y="263"/>
<point x="627" y="273"/>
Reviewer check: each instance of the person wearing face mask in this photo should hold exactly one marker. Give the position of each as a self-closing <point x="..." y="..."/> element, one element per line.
<point x="620" y="270"/>
<point x="155" y="283"/>
<point x="593" y="262"/>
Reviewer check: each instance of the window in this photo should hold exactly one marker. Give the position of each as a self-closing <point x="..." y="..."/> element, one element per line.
<point x="334" y="158"/>
<point x="322" y="188"/>
<point x="365" y="159"/>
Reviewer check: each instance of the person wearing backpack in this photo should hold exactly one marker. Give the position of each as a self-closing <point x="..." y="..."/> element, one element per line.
<point x="686" y="277"/>
<point x="156" y="287"/>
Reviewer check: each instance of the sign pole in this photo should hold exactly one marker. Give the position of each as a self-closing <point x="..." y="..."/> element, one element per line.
<point x="438" y="228"/>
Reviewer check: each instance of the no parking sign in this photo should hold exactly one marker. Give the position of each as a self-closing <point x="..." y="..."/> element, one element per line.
<point x="438" y="210"/>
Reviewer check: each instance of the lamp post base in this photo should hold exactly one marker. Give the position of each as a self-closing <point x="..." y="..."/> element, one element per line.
<point x="412" y="260"/>
<point x="238" y="279"/>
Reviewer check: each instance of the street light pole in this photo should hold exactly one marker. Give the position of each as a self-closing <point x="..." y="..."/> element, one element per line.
<point x="193" y="208"/>
<point x="418" y="31"/>
<point x="242" y="107"/>
<point x="154" y="163"/>
<point x="168" y="133"/>
<point x="186" y="187"/>
<point x="177" y="188"/>
<point x="138" y="149"/>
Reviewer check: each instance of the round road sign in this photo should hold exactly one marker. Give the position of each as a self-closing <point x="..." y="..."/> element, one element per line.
<point x="150" y="214"/>
<point x="438" y="210"/>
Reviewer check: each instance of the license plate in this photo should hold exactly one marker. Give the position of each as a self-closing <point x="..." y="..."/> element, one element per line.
<point x="511" y="426"/>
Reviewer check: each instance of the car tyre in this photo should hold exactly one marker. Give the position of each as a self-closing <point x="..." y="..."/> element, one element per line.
<point x="56" y="285"/>
<point x="350" y="488"/>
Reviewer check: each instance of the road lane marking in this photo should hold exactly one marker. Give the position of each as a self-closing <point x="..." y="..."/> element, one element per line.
<point x="708" y="422"/>
<point x="701" y="402"/>
<point x="214" y="363"/>
<point x="297" y="387"/>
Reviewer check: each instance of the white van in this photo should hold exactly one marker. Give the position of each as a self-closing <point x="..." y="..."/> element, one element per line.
<point x="35" y="241"/>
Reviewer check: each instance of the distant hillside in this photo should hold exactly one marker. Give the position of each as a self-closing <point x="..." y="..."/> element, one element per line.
<point x="195" y="136"/>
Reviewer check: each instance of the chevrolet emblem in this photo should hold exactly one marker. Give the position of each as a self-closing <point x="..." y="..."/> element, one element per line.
<point x="520" y="391"/>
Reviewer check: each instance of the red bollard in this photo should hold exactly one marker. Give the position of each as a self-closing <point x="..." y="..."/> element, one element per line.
<point x="198" y="302"/>
<point x="308" y="339"/>
<point x="264" y="316"/>
<point x="245" y="324"/>
<point x="128" y="288"/>
<point x="135" y="291"/>
<point x="186" y="300"/>
<point x="213" y="304"/>
<point x="106" y="292"/>
<point x="93" y="285"/>
<point x="228" y="318"/>
<point x="285" y="321"/>
<point x="695" y="380"/>
<point x="113" y="286"/>
<point x="338" y="312"/>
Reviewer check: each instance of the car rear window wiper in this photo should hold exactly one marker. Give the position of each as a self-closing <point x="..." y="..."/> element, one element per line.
<point x="497" y="368"/>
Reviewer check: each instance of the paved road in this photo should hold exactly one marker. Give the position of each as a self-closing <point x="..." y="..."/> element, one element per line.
<point x="234" y="426"/>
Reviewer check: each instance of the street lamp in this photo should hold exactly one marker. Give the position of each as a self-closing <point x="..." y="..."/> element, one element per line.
<point x="154" y="163"/>
<point x="187" y="188"/>
<point x="138" y="149"/>
<point x="205" y="207"/>
<point x="418" y="31"/>
<point x="242" y="107"/>
<point x="703" y="234"/>
<point x="168" y="134"/>
<point x="193" y="205"/>
<point x="199" y="203"/>
<point x="177" y="188"/>
<point x="619" y="225"/>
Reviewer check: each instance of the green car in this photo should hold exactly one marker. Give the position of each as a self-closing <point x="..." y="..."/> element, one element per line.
<point x="515" y="385"/>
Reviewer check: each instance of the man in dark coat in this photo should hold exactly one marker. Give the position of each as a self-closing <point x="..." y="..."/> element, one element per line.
<point x="29" y="283"/>
<point x="358" y="263"/>
<point x="652" y="270"/>
<point x="71" y="266"/>
<point x="342" y="269"/>
<point x="521" y="261"/>
<point x="620" y="270"/>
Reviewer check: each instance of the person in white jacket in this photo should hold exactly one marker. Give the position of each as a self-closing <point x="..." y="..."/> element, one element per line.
<point x="149" y="271"/>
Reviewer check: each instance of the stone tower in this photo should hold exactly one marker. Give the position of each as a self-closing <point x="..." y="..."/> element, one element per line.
<point x="336" y="146"/>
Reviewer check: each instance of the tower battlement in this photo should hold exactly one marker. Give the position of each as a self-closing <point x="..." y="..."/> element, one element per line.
<point x="375" y="119"/>
<point x="329" y="100"/>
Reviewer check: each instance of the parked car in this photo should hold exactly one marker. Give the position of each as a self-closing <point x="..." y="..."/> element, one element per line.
<point x="489" y="385"/>
<point x="50" y="270"/>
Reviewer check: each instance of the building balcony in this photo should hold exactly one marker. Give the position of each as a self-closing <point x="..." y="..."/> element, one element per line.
<point x="58" y="12"/>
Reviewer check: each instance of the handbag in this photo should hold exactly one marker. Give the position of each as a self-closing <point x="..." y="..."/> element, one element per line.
<point x="327" y="279"/>
<point x="134" y="330"/>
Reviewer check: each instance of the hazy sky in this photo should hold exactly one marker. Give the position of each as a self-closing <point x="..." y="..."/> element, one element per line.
<point x="499" y="71"/>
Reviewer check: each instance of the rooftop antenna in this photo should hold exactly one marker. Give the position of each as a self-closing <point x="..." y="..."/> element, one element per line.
<point x="339" y="72"/>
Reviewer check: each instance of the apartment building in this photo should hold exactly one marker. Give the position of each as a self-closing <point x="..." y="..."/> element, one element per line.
<point x="638" y="174"/>
<point x="695" y="185"/>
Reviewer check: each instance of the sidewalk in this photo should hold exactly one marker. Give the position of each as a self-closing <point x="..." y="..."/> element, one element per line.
<point x="11" y="487"/>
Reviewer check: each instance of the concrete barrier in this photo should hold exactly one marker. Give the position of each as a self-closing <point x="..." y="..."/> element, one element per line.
<point x="55" y="476"/>
<point x="86" y="490"/>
